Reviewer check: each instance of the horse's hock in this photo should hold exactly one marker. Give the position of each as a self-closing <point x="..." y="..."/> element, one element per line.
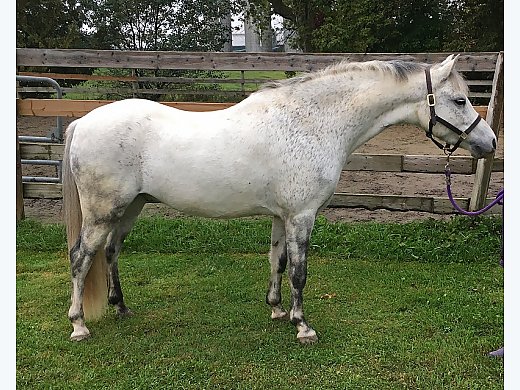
<point x="397" y="170"/>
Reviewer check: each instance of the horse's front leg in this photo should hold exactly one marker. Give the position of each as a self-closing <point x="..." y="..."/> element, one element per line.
<point x="278" y="260"/>
<point x="298" y="231"/>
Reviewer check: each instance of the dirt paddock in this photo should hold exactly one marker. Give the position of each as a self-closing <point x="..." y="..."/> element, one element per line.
<point x="402" y="139"/>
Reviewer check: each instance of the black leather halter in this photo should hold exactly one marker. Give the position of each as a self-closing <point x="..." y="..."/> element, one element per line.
<point x="434" y="118"/>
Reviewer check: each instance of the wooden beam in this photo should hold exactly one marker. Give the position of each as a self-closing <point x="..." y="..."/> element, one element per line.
<point x="493" y="118"/>
<point x="42" y="191"/>
<point x="20" y="212"/>
<point x="436" y="164"/>
<point x="481" y="110"/>
<point x="435" y="205"/>
<point x="438" y="205"/>
<point x="85" y="58"/>
<point x="374" y="162"/>
<point x="374" y="202"/>
<point x="79" y="108"/>
<point x="41" y="151"/>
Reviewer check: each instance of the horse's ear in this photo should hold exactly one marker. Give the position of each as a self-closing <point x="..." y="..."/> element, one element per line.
<point x="446" y="67"/>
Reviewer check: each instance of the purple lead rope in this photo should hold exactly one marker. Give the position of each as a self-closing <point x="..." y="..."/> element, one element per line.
<point x="498" y="199"/>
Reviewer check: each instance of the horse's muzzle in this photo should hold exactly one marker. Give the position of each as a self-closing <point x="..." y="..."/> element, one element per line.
<point x="480" y="151"/>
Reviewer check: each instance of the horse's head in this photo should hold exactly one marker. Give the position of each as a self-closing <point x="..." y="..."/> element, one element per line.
<point x="448" y="114"/>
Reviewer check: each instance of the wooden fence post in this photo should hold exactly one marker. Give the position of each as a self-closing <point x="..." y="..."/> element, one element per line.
<point x="242" y="83"/>
<point x="493" y="118"/>
<point x="20" y="212"/>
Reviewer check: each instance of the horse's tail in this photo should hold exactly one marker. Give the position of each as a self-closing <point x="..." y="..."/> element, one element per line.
<point x="96" y="288"/>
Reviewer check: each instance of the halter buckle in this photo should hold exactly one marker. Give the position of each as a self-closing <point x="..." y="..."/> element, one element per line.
<point x="430" y="99"/>
<point x="463" y="135"/>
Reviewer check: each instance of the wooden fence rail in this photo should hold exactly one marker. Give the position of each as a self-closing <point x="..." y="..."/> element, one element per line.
<point x="480" y="65"/>
<point x="83" y="58"/>
<point x="468" y="62"/>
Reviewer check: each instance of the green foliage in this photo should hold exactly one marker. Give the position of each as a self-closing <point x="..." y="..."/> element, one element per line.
<point x="389" y="26"/>
<point x="318" y="25"/>
<point x="156" y="24"/>
<point x="478" y="25"/>
<point x="34" y="236"/>
<point x="49" y="24"/>
<point x="460" y="240"/>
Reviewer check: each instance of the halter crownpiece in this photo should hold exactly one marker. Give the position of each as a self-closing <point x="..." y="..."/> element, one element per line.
<point x="434" y="118"/>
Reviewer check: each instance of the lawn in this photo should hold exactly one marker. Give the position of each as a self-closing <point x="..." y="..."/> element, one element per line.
<point x="396" y="306"/>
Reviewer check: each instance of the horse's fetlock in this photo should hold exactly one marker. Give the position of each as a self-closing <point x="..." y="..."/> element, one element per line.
<point x="75" y="317"/>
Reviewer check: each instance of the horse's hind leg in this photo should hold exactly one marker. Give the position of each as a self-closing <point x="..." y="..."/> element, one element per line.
<point x="298" y="231"/>
<point x="278" y="260"/>
<point x="93" y="235"/>
<point x="112" y="250"/>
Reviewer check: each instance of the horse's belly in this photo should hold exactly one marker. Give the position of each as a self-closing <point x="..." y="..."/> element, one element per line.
<point x="214" y="200"/>
<point x="212" y="172"/>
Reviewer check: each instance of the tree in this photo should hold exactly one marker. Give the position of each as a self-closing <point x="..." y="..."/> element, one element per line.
<point x="358" y="26"/>
<point x="156" y="24"/>
<point x="49" y="24"/>
<point x="421" y="25"/>
<point x="478" y="25"/>
<point x="303" y="17"/>
<point x="388" y="26"/>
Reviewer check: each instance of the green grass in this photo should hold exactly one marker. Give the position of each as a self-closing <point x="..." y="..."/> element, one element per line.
<point x="411" y="306"/>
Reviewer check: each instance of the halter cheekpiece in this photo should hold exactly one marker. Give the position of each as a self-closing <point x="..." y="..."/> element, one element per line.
<point x="434" y="118"/>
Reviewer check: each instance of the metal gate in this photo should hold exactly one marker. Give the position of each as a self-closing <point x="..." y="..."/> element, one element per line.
<point x="55" y="136"/>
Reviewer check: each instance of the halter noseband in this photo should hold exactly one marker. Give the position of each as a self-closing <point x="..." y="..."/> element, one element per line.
<point x="434" y="118"/>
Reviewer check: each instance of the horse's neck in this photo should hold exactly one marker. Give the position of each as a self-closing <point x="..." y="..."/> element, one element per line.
<point x="374" y="104"/>
<point x="404" y="113"/>
<point x="346" y="109"/>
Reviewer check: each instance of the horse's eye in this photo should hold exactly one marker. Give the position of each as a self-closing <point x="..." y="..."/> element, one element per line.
<point x="460" y="101"/>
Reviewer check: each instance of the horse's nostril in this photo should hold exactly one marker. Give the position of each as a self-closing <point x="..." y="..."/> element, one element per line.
<point x="494" y="144"/>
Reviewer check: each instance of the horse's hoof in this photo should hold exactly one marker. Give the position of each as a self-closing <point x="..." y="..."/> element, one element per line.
<point x="124" y="313"/>
<point x="279" y="315"/>
<point x="79" y="335"/>
<point x="307" y="337"/>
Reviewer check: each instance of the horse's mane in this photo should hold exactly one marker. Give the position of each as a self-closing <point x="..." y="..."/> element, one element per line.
<point x="398" y="69"/>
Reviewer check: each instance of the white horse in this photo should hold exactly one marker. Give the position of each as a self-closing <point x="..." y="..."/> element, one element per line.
<point x="279" y="152"/>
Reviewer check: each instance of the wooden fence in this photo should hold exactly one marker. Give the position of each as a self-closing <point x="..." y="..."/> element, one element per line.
<point x="477" y="63"/>
<point x="145" y="71"/>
